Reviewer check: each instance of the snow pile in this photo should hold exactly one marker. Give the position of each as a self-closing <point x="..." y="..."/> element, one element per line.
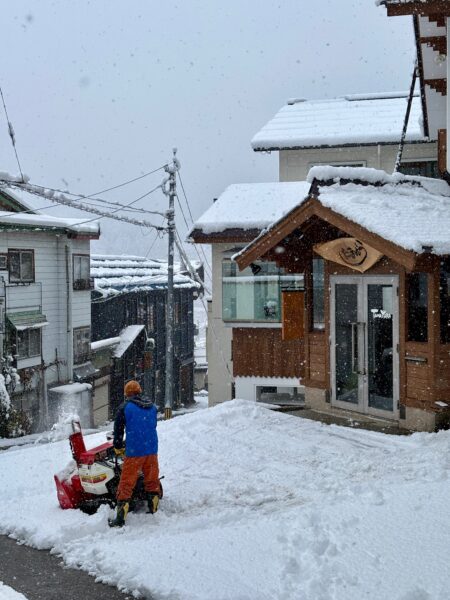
<point x="7" y="593"/>
<point x="359" y="119"/>
<point x="250" y="206"/>
<point x="258" y="505"/>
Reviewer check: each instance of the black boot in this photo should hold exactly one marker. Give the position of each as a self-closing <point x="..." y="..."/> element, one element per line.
<point x="121" y="514"/>
<point x="152" y="502"/>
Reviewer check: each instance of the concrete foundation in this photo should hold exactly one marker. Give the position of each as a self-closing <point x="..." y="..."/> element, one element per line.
<point x="419" y="420"/>
<point x="316" y="399"/>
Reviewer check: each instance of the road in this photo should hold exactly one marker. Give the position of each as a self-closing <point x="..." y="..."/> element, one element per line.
<point x="41" y="576"/>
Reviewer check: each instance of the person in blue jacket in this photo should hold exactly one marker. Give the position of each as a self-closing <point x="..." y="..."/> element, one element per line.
<point x="137" y="417"/>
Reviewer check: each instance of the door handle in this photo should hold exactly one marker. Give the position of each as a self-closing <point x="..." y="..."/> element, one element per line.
<point x="355" y="347"/>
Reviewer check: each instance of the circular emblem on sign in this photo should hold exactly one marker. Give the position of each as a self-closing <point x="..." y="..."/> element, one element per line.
<point x="353" y="254"/>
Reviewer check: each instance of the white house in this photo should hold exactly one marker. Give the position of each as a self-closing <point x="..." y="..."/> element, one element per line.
<point x="45" y="307"/>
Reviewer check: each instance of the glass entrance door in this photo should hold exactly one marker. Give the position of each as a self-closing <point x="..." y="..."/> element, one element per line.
<point x="364" y="336"/>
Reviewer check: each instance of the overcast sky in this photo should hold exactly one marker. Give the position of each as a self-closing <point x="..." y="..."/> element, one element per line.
<point x="100" y="91"/>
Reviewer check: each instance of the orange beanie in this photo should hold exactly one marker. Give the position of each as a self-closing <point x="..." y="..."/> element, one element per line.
<point x="132" y="388"/>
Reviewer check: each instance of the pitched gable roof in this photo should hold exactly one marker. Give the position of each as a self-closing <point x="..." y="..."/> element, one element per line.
<point x="350" y="120"/>
<point x="244" y="209"/>
<point x="411" y="214"/>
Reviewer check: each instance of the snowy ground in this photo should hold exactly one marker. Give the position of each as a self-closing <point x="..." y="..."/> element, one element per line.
<point x="7" y="593"/>
<point x="258" y="505"/>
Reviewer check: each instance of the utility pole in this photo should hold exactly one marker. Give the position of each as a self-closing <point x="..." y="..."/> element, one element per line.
<point x="171" y="192"/>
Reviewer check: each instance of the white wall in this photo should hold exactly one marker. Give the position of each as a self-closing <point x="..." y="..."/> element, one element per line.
<point x="49" y="294"/>
<point x="246" y="386"/>
<point x="218" y="337"/>
<point x="295" y="164"/>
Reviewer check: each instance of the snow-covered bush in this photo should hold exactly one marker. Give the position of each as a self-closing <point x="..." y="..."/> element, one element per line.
<point x="13" y="421"/>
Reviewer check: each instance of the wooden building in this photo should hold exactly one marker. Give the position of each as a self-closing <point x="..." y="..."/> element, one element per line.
<point x="375" y="312"/>
<point x="129" y="325"/>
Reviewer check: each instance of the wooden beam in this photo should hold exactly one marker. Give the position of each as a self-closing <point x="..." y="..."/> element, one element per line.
<point x="442" y="151"/>
<point x="438" y="85"/>
<point x="232" y="236"/>
<point x="434" y="7"/>
<point x="312" y="207"/>
<point x="437" y="42"/>
<point x="438" y="19"/>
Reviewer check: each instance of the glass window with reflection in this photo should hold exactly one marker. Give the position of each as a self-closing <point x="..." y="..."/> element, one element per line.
<point x="254" y="294"/>
<point x="318" y="293"/>
<point x="444" y="293"/>
<point x="417" y="286"/>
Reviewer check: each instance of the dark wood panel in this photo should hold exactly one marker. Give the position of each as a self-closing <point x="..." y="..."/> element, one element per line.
<point x="293" y="315"/>
<point x="260" y="352"/>
<point x="418" y="371"/>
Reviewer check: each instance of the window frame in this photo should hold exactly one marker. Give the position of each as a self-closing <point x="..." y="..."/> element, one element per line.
<point x="409" y="314"/>
<point x="315" y="324"/>
<point x="78" y="356"/>
<point x="270" y="309"/>
<point x="21" y="251"/>
<point x="26" y="332"/>
<point x="81" y="284"/>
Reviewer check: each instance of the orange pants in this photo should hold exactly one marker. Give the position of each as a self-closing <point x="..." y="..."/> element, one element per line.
<point x="132" y="466"/>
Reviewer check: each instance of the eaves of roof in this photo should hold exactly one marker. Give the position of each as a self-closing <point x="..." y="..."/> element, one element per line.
<point x="352" y="145"/>
<point x="228" y="236"/>
<point x="301" y="214"/>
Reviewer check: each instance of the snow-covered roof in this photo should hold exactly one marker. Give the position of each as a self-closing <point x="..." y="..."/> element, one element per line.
<point x="46" y="222"/>
<point x="106" y="343"/>
<point x="127" y="337"/>
<point x="117" y="274"/>
<point x="412" y="212"/>
<point x="355" y="119"/>
<point x="249" y="206"/>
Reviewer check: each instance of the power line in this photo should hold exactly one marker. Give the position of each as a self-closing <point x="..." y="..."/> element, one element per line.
<point x="62" y="199"/>
<point x="127" y="205"/>
<point x="205" y="259"/>
<point x="12" y="135"/>
<point x="115" y="187"/>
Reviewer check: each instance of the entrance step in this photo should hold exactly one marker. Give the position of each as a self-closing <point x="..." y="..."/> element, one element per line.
<point x="350" y="419"/>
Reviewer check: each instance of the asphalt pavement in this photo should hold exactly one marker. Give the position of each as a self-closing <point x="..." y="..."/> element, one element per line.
<point x="39" y="575"/>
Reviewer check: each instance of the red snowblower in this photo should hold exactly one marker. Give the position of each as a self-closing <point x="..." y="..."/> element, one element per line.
<point x="94" y="479"/>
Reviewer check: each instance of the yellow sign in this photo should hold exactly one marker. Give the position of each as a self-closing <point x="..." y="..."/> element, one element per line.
<point x="349" y="252"/>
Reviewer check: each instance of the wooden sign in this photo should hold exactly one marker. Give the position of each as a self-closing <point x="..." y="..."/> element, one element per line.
<point x="350" y="252"/>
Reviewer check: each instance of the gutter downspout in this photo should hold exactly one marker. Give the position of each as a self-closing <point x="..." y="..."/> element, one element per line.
<point x="69" y="315"/>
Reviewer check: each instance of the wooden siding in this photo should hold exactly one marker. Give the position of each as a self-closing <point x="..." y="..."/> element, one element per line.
<point x="293" y="315"/>
<point x="260" y="352"/>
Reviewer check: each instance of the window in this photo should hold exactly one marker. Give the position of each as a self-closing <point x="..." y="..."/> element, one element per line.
<point x="254" y="294"/>
<point x="425" y="168"/>
<point x="28" y="343"/>
<point x="21" y="266"/>
<point x="318" y="293"/>
<point x="81" y="272"/>
<point x="444" y="292"/>
<point x="417" y="284"/>
<point x="3" y="262"/>
<point x="81" y="344"/>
